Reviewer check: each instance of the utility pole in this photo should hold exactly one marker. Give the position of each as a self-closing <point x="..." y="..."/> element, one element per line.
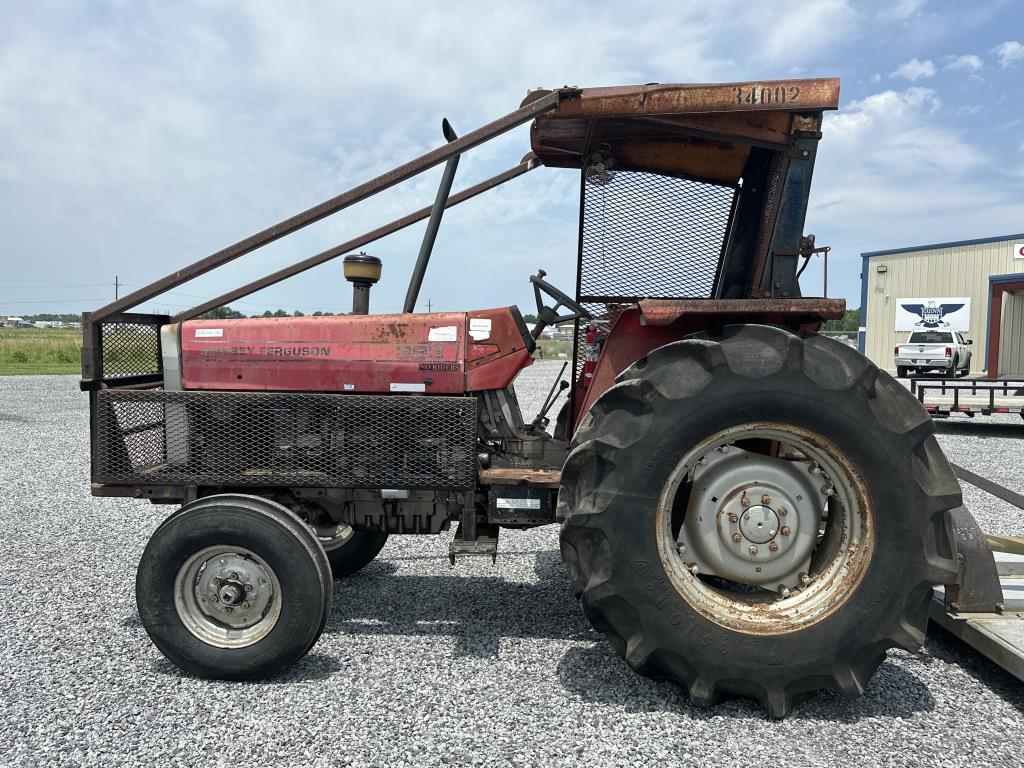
<point x="116" y="286"/>
<point x="428" y="305"/>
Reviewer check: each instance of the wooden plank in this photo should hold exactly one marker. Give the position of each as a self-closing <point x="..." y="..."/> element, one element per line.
<point x="538" y="478"/>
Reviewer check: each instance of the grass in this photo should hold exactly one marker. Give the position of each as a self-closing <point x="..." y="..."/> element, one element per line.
<point x="549" y="349"/>
<point x="25" y="351"/>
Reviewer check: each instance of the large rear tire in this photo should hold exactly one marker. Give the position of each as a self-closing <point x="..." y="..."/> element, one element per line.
<point x="233" y="587"/>
<point x="630" y="485"/>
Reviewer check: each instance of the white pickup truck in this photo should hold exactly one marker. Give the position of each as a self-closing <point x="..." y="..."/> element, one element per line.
<point x="946" y="351"/>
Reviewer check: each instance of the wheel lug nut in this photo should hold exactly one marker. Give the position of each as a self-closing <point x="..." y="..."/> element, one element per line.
<point x="753" y="549"/>
<point x="693" y="568"/>
<point x="216" y="582"/>
<point x="785" y="530"/>
<point x="805" y="579"/>
<point x="681" y="549"/>
<point x="234" y="576"/>
<point x="245" y="604"/>
<point x="766" y="499"/>
<point x="213" y="599"/>
<point x="733" y="518"/>
<point x="783" y="511"/>
<point x="774" y="546"/>
<point x="737" y="538"/>
<point x="227" y="609"/>
<point x="784" y="590"/>
<point x="248" y="587"/>
<point x="744" y="500"/>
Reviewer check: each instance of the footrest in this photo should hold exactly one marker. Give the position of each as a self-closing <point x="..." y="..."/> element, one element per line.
<point x="485" y="543"/>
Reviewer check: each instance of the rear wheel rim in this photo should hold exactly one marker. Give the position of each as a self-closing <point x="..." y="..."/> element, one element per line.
<point x="707" y="546"/>
<point x="227" y="596"/>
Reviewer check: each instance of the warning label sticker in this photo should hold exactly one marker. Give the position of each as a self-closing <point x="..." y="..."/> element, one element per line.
<point x="443" y="333"/>
<point x="480" y="328"/>
<point x="517" y="503"/>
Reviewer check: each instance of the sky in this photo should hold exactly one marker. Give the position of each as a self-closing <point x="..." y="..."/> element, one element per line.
<point x="137" y="137"/>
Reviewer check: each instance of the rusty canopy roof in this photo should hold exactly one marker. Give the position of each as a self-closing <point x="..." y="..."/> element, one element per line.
<point x="700" y="131"/>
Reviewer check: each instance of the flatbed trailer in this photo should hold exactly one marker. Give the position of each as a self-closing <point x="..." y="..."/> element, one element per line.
<point x="995" y="631"/>
<point x="970" y="397"/>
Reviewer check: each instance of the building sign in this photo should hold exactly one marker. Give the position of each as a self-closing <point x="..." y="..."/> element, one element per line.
<point x="1018" y="251"/>
<point x="948" y="314"/>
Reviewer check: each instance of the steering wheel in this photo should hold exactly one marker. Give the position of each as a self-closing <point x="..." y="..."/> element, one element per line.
<point x="549" y="315"/>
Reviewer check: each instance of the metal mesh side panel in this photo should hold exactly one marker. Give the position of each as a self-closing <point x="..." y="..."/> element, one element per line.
<point x="154" y="437"/>
<point x="648" y="235"/>
<point x="130" y="349"/>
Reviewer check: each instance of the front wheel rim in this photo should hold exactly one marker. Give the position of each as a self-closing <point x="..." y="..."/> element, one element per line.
<point x="227" y="596"/>
<point x="701" y="537"/>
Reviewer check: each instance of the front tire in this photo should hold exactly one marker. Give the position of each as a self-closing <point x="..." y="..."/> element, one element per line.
<point x="233" y="587"/>
<point x="353" y="549"/>
<point x="901" y="371"/>
<point x="717" y="638"/>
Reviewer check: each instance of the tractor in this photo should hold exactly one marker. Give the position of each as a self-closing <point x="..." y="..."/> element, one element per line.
<point x="747" y="507"/>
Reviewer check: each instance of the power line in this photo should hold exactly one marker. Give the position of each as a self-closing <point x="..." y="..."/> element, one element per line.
<point x="51" y="286"/>
<point x="50" y="301"/>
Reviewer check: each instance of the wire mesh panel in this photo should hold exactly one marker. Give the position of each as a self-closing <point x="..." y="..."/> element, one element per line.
<point x="130" y="349"/>
<point x="276" y="439"/>
<point x="651" y="235"/>
<point x="648" y="235"/>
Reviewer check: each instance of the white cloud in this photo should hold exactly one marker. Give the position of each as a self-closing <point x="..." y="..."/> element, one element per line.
<point x="891" y="159"/>
<point x="1009" y="53"/>
<point x="141" y="137"/>
<point x="914" y="70"/>
<point x="900" y="10"/>
<point x="967" y="62"/>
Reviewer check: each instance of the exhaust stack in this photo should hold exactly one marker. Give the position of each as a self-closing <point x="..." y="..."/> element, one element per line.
<point x="362" y="270"/>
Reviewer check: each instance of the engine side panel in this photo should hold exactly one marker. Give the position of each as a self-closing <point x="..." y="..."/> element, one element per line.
<point x="428" y="353"/>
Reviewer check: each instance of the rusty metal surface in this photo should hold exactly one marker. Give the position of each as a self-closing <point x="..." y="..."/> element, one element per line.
<point x="539" y="478"/>
<point x="362" y="191"/>
<point x="978" y="589"/>
<point x="528" y="164"/>
<point x="799" y="95"/>
<point x="665" y="311"/>
<point x="828" y="590"/>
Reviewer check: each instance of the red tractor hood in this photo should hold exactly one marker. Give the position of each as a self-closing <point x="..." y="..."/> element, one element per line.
<point x="434" y="353"/>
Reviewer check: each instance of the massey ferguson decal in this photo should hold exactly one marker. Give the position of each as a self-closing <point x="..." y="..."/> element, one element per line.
<point x="252" y="350"/>
<point x="952" y="314"/>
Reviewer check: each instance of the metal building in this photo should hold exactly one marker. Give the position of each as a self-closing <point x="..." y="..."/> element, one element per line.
<point x="988" y="272"/>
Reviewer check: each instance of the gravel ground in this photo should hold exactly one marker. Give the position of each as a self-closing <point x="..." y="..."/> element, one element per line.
<point x="420" y="664"/>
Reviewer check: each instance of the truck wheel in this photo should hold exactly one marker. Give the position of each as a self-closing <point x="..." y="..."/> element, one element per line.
<point x="901" y="371"/>
<point x="757" y="514"/>
<point x="233" y="587"/>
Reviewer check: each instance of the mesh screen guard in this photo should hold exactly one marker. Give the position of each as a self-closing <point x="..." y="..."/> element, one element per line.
<point x="150" y="437"/>
<point x="645" y="235"/>
<point x="130" y="348"/>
